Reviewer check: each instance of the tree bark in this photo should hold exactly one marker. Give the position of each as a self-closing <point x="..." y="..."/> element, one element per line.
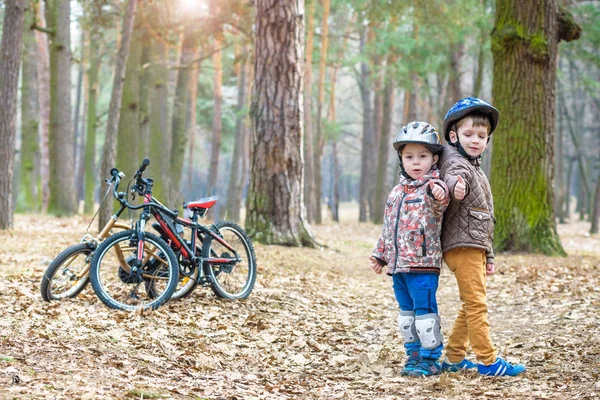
<point x="310" y="200"/>
<point x="381" y="188"/>
<point x="233" y="195"/>
<point x="30" y="110"/>
<point x="378" y="101"/>
<point x="217" y="118"/>
<point x="43" y="74"/>
<point x="524" y="45"/>
<point x="159" y="145"/>
<point x="129" y="132"/>
<point x="275" y="203"/>
<point x="78" y="133"/>
<point x="91" y="171"/>
<point x="320" y="137"/>
<point x="184" y="94"/>
<point x="109" y="155"/>
<point x="12" y="41"/>
<point x="596" y="208"/>
<point x="62" y="172"/>
<point x="367" y="138"/>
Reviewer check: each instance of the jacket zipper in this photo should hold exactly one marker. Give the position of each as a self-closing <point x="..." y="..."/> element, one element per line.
<point x="396" y="228"/>
<point x="424" y="244"/>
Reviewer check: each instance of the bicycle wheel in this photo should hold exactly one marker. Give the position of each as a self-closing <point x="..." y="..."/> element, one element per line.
<point x="68" y="274"/>
<point x="119" y="286"/>
<point x="234" y="280"/>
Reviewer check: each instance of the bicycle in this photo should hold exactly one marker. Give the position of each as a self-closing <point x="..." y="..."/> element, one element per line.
<point x="146" y="277"/>
<point x="68" y="274"/>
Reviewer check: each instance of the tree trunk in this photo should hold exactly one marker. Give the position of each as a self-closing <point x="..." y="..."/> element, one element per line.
<point x="310" y="200"/>
<point x="596" y="208"/>
<point x="78" y="133"/>
<point x="62" y="173"/>
<point x="184" y="94"/>
<point x="377" y="125"/>
<point x="12" y="40"/>
<point x="43" y="74"/>
<point x="29" y="198"/>
<point x="191" y="124"/>
<point x="109" y="155"/>
<point x="381" y="189"/>
<point x="367" y="139"/>
<point x="320" y="137"/>
<point x="275" y="203"/>
<point x="233" y="196"/>
<point x="572" y="161"/>
<point x="525" y="51"/>
<point x="129" y="133"/>
<point x="91" y="171"/>
<point x="453" y="91"/>
<point x="159" y="144"/>
<point x="559" y="171"/>
<point x="217" y="121"/>
<point x="478" y="80"/>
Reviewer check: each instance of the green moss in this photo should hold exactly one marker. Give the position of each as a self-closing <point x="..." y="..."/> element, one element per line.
<point x="538" y="46"/>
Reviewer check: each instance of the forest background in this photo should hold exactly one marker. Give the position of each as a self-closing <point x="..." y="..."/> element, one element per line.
<point x="370" y="66"/>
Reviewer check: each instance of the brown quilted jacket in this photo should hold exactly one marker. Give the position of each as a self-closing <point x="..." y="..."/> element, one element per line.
<point x="470" y="222"/>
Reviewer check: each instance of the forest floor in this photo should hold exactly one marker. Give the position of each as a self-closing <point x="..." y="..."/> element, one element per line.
<point x="318" y="325"/>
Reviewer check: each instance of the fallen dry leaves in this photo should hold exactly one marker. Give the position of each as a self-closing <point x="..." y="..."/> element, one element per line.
<point x="319" y="324"/>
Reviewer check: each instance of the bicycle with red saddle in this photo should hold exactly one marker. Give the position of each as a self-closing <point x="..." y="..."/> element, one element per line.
<point x="137" y="269"/>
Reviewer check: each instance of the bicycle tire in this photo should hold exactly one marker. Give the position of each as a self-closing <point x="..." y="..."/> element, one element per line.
<point x="222" y="276"/>
<point x="116" y="279"/>
<point x="51" y="285"/>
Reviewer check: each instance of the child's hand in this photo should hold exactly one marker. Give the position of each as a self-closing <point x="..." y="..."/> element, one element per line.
<point x="460" y="189"/>
<point x="490" y="268"/>
<point x="437" y="191"/>
<point x="378" y="268"/>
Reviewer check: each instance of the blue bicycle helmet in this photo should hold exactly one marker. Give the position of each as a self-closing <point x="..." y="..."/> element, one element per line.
<point x="467" y="106"/>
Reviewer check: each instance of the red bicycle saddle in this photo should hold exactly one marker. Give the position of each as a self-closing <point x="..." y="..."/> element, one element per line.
<point x="206" y="202"/>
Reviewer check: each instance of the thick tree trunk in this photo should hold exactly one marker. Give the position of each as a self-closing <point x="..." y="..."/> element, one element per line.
<point x="233" y="196"/>
<point x="453" y="93"/>
<point x="377" y="125"/>
<point x="184" y="93"/>
<point x="91" y="171"/>
<point x="381" y="188"/>
<point x="12" y="41"/>
<point x="43" y="74"/>
<point x="77" y="132"/>
<point x="275" y="203"/>
<point x="367" y="138"/>
<point x="217" y="121"/>
<point x="310" y="200"/>
<point x="320" y="137"/>
<point x="62" y="172"/>
<point x="30" y="110"/>
<point x="109" y="155"/>
<point x="524" y="45"/>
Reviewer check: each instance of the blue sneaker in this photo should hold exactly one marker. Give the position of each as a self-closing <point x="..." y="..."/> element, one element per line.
<point x="465" y="364"/>
<point x="427" y="367"/>
<point x="411" y="363"/>
<point x="501" y="367"/>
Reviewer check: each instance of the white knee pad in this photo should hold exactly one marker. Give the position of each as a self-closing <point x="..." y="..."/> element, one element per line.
<point x="429" y="330"/>
<point x="406" y="323"/>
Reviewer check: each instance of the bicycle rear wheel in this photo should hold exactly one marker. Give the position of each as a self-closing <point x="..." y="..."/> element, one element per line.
<point x="68" y="274"/>
<point x="119" y="286"/>
<point x="235" y="279"/>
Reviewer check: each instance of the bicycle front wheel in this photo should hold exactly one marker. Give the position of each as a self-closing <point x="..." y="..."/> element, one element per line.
<point x="67" y="275"/>
<point x="123" y="283"/>
<point x="233" y="279"/>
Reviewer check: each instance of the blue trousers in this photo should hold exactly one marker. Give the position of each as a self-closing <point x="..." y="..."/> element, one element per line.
<point x="416" y="292"/>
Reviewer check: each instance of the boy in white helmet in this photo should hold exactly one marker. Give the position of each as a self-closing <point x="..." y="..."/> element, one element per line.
<point x="410" y="246"/>
<point x="467" y="234"/>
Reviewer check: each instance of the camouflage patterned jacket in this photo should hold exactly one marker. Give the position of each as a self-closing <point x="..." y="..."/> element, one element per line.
<point x="410" y="238"/>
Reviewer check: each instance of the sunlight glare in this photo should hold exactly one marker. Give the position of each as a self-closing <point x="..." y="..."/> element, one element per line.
<point x="191" y="5"/>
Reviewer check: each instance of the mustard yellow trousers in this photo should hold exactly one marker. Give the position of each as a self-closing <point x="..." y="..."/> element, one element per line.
<point x="471" y="325"/>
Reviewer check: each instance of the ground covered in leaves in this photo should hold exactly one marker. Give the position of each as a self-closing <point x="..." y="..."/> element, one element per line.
<point x="319" y="324"/>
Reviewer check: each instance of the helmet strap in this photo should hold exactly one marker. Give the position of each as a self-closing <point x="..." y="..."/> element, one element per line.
<point x="462" y="151"/>
<point x="402" y="170"/>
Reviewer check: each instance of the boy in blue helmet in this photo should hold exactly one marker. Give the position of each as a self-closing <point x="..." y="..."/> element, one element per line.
<point x="467" y="233"/>
<point x="410" y="246"/>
